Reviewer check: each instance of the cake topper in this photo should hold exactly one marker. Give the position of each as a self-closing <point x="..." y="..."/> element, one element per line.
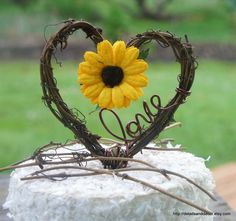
<point x="112" y="78"/>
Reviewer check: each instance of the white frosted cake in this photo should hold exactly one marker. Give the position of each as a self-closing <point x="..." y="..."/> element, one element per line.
<point x="111" y="198"/>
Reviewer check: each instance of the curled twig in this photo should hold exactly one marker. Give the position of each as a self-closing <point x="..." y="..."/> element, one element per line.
<point x="73" y="160"/>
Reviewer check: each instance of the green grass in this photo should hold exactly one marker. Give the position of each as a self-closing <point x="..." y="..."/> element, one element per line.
<point x="208" y="119"/>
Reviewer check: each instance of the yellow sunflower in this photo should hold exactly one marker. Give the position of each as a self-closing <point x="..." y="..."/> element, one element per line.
<point x="113" y="76"/>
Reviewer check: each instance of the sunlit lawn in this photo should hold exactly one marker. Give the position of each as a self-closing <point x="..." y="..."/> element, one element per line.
<point x="208" y="117"/>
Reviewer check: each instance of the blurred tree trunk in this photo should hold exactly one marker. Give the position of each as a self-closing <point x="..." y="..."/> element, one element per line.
<point x="158" y="14"/>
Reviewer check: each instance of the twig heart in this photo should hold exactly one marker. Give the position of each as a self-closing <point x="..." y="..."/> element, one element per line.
<point x="157" y="121"/>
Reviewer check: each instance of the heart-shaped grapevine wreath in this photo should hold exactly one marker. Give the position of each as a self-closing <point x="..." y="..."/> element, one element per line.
<point x="113" y="77"/>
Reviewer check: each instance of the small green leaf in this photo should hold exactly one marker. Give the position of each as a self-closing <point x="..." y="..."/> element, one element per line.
<point x="144" y="53"/>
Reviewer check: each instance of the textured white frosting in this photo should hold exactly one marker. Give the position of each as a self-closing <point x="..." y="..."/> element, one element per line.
<point x="109" y="198"/>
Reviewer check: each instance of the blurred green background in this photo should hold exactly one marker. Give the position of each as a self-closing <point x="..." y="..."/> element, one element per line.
<point x="208" y="120"/>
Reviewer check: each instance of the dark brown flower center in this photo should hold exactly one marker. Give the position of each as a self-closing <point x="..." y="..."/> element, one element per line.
<point x="112" y="75"/>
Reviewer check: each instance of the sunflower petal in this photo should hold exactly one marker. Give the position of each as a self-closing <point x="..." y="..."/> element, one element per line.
<point x="86" y="68"/>
<point x="105" y="50"/>
<point x="94" y="100"/>
<point x="104" y="98"/>
<point x="137" y="67"/>
<point x="131" y="55"/>
<point x="139" y="91"/>
<point x="89" y="79"/>
<point x="119" y="49"/>
<point x="110" y="106"/>
<point x="129" y="91"/>
<point x="136" y="80"/>
<point x="126" y="102"/>
<point x="93" y="58"/>
<point x="83" y="87"/>
<point x="117" y="97"/>
<point x="94" y="90"/>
